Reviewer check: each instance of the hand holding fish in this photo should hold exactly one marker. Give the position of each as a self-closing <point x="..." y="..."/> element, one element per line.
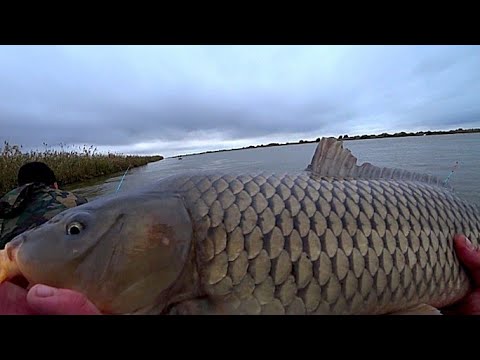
<point x="43" y="300"/>
<point x="470" y="258"/>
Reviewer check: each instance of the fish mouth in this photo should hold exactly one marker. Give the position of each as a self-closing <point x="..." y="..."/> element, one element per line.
<point x="9" y="269"/>
<point x="21" y="281"/>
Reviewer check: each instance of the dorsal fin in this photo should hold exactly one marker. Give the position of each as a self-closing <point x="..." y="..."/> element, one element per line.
<point x="331" y="159"/>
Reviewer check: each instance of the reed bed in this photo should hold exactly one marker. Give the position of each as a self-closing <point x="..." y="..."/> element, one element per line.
<point x="69" y="164"/>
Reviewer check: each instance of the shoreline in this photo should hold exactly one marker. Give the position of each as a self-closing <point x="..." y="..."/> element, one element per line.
<point x="71" y="168"/>
<point x="343" y="137"/>
<point x="94" y="174"/>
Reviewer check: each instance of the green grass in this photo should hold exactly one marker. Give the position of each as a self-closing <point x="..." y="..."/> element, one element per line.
<point x="70" y="166"/>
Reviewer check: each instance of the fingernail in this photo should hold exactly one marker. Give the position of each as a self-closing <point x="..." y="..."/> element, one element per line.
<point x="469" y="244"/>
<point x="44" y="291"/>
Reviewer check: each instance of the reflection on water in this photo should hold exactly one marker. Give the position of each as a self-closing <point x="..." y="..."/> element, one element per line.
<point x="434" y="155"/>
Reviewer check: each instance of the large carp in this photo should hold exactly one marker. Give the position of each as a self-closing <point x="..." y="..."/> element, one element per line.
<point x="337" y="238"/>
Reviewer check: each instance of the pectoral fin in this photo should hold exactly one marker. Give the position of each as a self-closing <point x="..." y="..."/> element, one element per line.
<point x="422" y="309"/>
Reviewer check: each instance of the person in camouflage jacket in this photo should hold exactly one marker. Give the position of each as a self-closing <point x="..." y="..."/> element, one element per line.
<point x="36" y="200"/>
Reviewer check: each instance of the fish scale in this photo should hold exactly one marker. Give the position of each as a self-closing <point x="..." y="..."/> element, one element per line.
<point x="336" y="238"/>
<point x="347" y="248"/>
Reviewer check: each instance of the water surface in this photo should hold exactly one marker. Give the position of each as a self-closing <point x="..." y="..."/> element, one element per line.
<point x="434" y="155"/>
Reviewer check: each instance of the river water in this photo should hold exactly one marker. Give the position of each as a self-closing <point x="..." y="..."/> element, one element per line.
<point x="434" y="155"/>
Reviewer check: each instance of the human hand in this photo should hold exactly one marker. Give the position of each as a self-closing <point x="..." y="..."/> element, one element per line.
<point x="469" y="256"/>
<point x="43" y="300"/>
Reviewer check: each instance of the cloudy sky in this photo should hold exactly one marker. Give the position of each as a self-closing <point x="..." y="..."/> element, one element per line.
<point x="181" y="99"/>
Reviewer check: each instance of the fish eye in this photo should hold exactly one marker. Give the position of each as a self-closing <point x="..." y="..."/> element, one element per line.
<point x="74" y="228"/>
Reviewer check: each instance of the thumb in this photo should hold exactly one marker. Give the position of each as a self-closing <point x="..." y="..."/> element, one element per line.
<point x="47" y="300"/>
<point x="469" y="256"/>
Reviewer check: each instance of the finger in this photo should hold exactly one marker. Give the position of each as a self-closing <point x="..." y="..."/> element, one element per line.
<point x="13" y="300"/>
<point x="470" y="305"/>
<point x="52" y="301"/>
<point x="469" y="257"/>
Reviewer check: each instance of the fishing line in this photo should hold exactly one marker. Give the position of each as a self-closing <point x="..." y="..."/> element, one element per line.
<point x="451" y="173"/>
<point x="123" y="177"/>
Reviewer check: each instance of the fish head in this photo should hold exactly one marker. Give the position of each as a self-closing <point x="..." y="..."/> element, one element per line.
<point x="123" y="253"/>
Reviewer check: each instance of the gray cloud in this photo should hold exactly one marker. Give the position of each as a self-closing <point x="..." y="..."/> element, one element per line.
<point x="124" y="97"/>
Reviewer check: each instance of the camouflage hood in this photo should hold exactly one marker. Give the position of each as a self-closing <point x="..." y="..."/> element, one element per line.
<point x="12" y="203"/>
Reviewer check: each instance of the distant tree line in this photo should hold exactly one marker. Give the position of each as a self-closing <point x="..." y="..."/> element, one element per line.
<point x="347" y="137"/>
<point x="404" y="134"/>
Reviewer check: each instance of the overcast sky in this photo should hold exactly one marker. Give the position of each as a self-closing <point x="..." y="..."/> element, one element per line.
<point x="181" y="99"/>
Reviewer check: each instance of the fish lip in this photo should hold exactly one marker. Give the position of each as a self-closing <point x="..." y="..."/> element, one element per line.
<point x="9" y="268"/>
<point x="9" y="252"/>
<point x="12" y="247"/>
